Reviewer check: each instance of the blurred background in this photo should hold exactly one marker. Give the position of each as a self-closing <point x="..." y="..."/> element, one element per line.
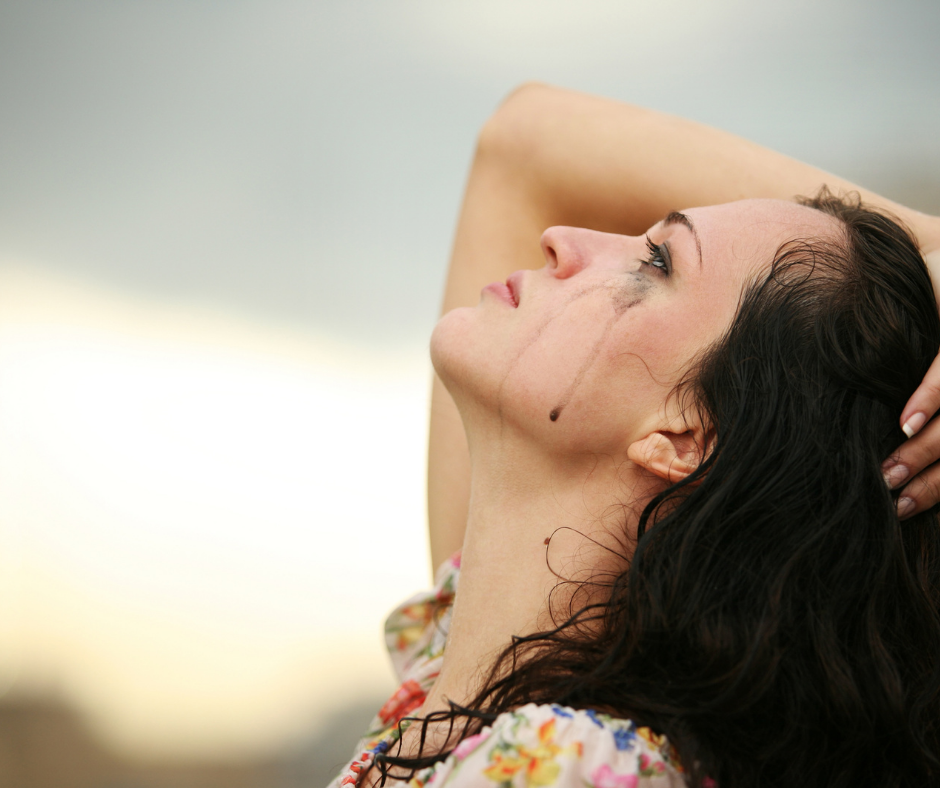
<point x="224" y="227"/>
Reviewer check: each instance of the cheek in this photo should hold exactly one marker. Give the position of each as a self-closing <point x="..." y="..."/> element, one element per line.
<point x="662" y="340"/>
<point x="552" y="358"/>
<point x="629" y="291"/>
<point x="685" y="327"/>
<point x="589" y="371"/>
<point x="648" y="355"/>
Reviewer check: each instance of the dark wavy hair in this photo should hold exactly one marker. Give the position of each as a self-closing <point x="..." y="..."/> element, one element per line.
<point x="777" y="622"/>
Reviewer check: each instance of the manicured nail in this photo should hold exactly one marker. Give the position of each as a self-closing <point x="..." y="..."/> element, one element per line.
<point x="913" y="424"/>
<point x="895" y="475"/>
<point x="905" y="507"/>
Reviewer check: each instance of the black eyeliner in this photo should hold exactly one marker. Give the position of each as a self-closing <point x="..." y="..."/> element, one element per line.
<point x="667" y="256"/>
<point x="659" y="251"/>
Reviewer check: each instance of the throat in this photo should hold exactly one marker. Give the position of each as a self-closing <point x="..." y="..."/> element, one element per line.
<point x="525" y="540"/>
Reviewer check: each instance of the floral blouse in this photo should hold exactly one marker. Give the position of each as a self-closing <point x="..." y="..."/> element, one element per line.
<point x="547" y="745"/>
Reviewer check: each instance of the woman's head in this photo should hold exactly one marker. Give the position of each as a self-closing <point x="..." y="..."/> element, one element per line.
<point x="582" y="354"/>
<point x="776" y="620"/>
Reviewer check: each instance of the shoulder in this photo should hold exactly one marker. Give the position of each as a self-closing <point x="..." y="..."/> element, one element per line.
<point x="557" y="747"/>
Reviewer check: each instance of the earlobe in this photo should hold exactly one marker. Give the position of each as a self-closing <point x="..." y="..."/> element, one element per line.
<point x="670" y="455"/>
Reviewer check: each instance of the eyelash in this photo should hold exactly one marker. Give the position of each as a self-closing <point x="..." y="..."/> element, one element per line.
<point x="658" y="257"/>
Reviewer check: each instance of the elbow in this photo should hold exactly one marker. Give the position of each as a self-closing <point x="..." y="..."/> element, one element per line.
<point x="512" y="131"/>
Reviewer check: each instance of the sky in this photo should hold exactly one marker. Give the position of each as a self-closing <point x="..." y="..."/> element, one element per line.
<point x="224" y="229"/>
<point x="305" y="161"/>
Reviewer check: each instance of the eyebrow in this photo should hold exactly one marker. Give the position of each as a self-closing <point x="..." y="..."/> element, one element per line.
<point x="675" y="217"/>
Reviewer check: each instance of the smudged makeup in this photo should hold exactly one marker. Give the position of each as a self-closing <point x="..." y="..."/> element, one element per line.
<point x="631" y="290"/>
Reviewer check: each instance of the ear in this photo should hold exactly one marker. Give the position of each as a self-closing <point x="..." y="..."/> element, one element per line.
<point x="671" y="455"/>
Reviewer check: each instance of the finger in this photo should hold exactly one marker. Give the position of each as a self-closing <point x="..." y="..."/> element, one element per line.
<point x="913" y="456"/>
<point x="923" y="403"/>
<point x="922" y="493"/>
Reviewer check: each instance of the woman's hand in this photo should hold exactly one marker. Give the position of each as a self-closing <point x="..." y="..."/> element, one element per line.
<point x="916" y="463"/>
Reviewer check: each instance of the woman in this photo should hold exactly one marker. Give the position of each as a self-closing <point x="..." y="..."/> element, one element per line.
<point x="679" y="560"/>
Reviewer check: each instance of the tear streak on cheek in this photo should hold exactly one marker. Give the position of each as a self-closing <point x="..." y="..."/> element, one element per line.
<point x="621" y="305"/>
<point x="623" y="297"/>
<point x="551" y="318"/>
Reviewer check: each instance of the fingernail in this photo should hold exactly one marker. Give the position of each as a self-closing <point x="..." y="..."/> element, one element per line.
<point x="895" y="475"/>
<point x="905" y="507"/>
<point x="913" y="424"/>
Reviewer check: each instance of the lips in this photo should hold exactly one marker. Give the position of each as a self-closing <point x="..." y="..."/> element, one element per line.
<point x="509" y="291"/>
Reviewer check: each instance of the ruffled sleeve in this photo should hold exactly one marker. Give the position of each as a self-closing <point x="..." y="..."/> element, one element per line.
<point x="557" y="747"/>
<point x="416" y="631"/>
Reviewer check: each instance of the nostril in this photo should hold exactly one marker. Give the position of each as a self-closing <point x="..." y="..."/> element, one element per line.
<point x="551" y="257"/>
<point x="548" y="250"/>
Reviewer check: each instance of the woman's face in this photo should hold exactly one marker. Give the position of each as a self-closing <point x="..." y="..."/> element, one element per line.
<point x="584" y="352"/>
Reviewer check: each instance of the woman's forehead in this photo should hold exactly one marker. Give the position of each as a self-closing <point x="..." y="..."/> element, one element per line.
<point x="755" y="229"/>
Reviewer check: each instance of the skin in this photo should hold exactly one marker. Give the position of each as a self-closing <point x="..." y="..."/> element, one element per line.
<point x="609" y="335"/>
<point x="554" y="157"/>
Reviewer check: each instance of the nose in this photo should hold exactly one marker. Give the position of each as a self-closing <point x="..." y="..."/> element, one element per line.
<point x="563" y="254"/>
<point x="569" y="250"/>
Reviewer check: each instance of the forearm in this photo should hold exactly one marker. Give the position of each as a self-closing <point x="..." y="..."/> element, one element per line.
<point x="550" y="157"/>
<point x="588" y="161"/>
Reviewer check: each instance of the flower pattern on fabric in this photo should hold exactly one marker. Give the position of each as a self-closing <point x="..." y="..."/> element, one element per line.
<point x="542" y="746"/>
<point x="604" y="777"/>
<point x="538" y="763"/>
<point x="408" y="697"/>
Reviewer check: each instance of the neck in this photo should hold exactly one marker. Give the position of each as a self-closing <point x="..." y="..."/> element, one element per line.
<point x="531" y="516"/>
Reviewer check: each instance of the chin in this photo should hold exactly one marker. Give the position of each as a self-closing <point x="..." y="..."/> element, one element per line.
<point x="463" y="356"/>
<point x="448" y="339"/>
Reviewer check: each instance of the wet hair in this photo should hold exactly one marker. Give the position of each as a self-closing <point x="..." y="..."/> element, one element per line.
<point x="776" y="621"/>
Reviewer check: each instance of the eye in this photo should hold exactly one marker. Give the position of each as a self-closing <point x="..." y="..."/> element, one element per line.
<point x="658" y="257"/>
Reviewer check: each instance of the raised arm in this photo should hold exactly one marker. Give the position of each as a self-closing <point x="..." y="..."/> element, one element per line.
<point x="550" y="156"/>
